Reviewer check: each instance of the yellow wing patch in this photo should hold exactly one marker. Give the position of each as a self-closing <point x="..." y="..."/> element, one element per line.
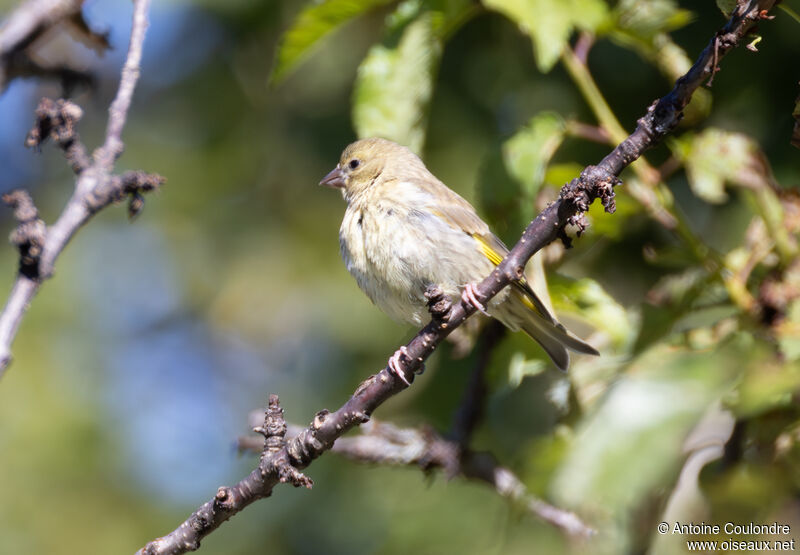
<point x="527" y="302"/>
<point x="530" y="300"/>
<point x="493" y="256"/>
<point x="524" y="292"/>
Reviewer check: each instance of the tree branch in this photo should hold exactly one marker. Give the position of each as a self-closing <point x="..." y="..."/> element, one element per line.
<point x="592" y="133"/>
<point x="386" y="444"/>
<point x="28" y="23"/>
<point x="95" y="187"/>
<point x="274" y="467"/>
<point x="575" y="198"/>
<point x="470" y="410"/>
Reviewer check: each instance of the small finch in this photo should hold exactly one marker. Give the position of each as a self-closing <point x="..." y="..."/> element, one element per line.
<point x="404" y="230"/>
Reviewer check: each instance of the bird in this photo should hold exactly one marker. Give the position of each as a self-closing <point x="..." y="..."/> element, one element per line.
<point x="404" y="231"/>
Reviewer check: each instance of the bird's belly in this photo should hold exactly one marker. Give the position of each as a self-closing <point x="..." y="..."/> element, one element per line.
<point x="395" y="256"/>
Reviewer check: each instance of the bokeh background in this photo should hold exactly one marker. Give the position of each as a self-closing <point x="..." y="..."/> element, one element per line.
<point x="137" y="365"/>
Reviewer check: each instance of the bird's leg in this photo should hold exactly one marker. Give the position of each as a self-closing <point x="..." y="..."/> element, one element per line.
<point x="394" y="363"/>
<point x="468" y="296"/>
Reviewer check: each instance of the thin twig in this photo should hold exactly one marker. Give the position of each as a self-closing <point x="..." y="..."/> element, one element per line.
<point x="575" y="198"/>
<point x="118" y="112"/>
<point x="588" y="132"/>
<point x="582" y="47"/>
<point x="714" y="68"/>
<point x="386" y="444"/>
<point x="669" y="167"/>
<point x="95" y="187"/>
<point x="470" y="409"/>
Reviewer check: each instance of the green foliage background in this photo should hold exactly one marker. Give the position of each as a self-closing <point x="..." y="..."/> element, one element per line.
<point x="137" y="365"/>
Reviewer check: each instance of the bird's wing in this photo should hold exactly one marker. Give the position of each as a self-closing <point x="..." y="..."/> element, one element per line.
<point x="454" y="209"/>
<point x="461" y="215"/>
<point x="539" y="323"/>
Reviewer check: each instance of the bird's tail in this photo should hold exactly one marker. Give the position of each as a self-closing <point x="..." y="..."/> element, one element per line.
<point x="532" y="317"/>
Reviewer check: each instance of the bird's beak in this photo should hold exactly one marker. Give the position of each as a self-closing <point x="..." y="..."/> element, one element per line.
<point x="334" y="179"/>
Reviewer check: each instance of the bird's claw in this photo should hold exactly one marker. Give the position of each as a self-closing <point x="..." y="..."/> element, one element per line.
<point x="394" y="364"/>
<point x="468" y="295"/>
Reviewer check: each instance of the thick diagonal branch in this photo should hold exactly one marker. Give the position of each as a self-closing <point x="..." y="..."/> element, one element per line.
<point x="575" y="198"/>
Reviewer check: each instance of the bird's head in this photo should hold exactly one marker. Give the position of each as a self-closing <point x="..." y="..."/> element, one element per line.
<point x="364" y="162"/>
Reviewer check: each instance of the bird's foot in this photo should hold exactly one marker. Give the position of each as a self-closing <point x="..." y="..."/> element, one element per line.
<point x="468" y="295"/>
<point x="394" y="364"/>
<point x="439" y="304"/>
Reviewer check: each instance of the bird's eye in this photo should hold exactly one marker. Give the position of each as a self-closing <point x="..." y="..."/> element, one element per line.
<point x="354" y="163"/>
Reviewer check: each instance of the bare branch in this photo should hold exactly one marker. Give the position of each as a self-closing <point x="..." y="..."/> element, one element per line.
<point x="574" y="200"/>
<point x="118" y="112"/>
<point x="274" y="467"/>
<point x="386" y="444"/>
<point x="273" y="459"/>
<point x="29" y="236"/>
<point x="95" y="187"/>
<point x="470" y="410"/>
<point x="69" y="78"/>
<point x="57" y="120"/>
<point x="592" y="133"/>
<point x="28" y="23"/>
<point x="484" y="467"/>
<point x="583" y="46"/>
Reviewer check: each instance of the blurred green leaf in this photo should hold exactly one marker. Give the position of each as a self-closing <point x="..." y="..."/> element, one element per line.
<point x="768" y="382"/>
<point x="616" y="226"/>
<point x="447" y="15"/>
<point x="314" y="22"/>
<point x="644" y="27"/>
<point x="647" y="18"/>
<point x="726" y="6"/>
<point x="787" y="452"/>
<point x="684" y="301"/>
<point x="528" y="152"/>
<point x="543" y="457"/>
<point x="499" y="195"/>
<point x="678" y="288"/>
<point x="704" y="317"/>
<point x="669" y="257"/>
<point x="672" y="61"/>
<point x="559" y="174"/>
<point x="520" y="367"/>
<point x="656" y="322"/>
<point x="550" y="23"/>
<point x="405" y="13"/>
<point x="788" y="332"/>
<point x="631" y="445"/>
<point x="394" y="86"/>
<point x="715" y="157"/>
<point x="504" y="204"/>
<point x="586" y="299"/>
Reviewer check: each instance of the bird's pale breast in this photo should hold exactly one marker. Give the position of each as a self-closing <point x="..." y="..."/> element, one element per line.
<point x="395" y="249"/>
